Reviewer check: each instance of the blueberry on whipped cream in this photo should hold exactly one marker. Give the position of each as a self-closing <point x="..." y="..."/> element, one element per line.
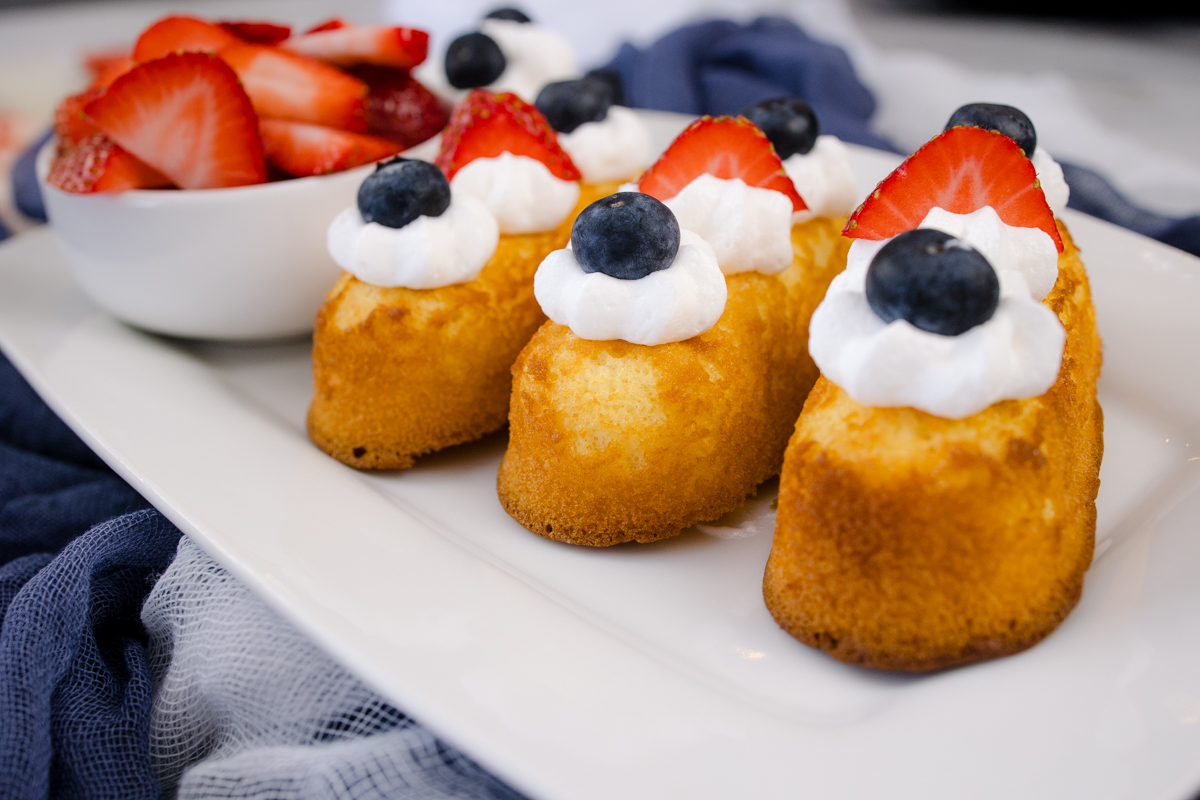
<point x="474" y="59"/>
<point x="410" y="229"/>
<point x="508" y="13"/>
<point x="631" y="273"/>
<point x="788" y="122"/>
<point x="819" y="165"/>
<point x="606" y="141"/>
<point x="1016" y="125"/>
<point x="626" y="235"/>
<point x="936" y="282"/>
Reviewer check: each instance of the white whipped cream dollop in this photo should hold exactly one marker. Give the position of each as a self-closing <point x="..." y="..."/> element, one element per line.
<point x="670" y="305"/>
<point x="1050" y="175"/>
<point x="521" y="192"/>
<point x="616" y="147"/>
<point x="824" y="179"/>
<point x="749" y="228"/>
<point x="427" y="253"/>
<point x="535" y="55"/>
<point x="1015" y="354"/>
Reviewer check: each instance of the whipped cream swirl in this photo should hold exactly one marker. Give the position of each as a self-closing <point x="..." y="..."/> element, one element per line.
<point x="1050" y="175"/>
<point x="427" y="253"/>
<point x="616" y="147"/>
<point x="749" y="228"/>
<point x="1015" y="354"/>
<point x="521" y="192"/>
<point x="824" y="179"/>
<point x="535" y="55"/>
<point x="670" y="305"/>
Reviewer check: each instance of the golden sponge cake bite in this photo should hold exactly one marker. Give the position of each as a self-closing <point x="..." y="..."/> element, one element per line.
<point x="641" y="408"/>
<point x="412" y="347"/>
<point x="937" y="499"/>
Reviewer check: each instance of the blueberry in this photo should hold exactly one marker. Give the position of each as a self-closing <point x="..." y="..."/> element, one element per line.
<point x="473" y="60"/>
<point x="613" y="79"/>
<point x="509" y="14"/>
<point x="789" y="123"/>
<point x="626" y="235"/>
<point x="1010" y="121"/>
<point x="568" y="104"/>
<point x="400" y="190"/>
<point x="938" y="283"/>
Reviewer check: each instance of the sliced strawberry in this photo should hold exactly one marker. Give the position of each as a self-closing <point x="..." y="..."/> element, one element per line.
<point x="961" y="170"/>
<point x="186" y="115"/>
<point x="724" y="147"/>
<point x="399" y="107"/>
<point x="71" y="125"/>
<point x="402" y="48"/>
<point x="301" y="149"/>
<point x="331" y="24"/>
<point x="98" y="164"/>
<point x="111" y="71"/>
<point x="256" y="32"/>
<point x="180" y="34"/>
<point x="486" y="125"/>
<point x="284" y="85"/>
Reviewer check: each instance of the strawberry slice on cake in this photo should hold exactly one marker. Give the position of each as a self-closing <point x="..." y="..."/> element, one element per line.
<point x="961" y="171"/>
<point x="485" y="125"/>
<point x="723" y="147"/>
<point x="185" y="115"/>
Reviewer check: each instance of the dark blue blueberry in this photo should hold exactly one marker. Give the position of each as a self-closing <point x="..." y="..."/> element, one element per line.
<point x="936" y="282"/>
<point x="400" y="190"/>
<point x="1010" y="121"/>
<point x="473" y="60"/>
<point x="510" y="14"/>
<point x="613" y="79"/>
<point x="626" y="235"/>
<point x="789" y="123"/>
<point x="568" y="104"/>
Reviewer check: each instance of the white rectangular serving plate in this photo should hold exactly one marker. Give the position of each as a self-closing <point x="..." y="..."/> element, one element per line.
<point x="655" y="671"/>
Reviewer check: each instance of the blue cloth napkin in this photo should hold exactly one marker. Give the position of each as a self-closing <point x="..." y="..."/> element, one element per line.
<point x="79" y="551"/>
<point x="720" y="67"/>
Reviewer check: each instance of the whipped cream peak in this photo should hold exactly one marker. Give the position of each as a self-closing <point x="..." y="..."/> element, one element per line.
<point x="824" y="179"/>
<point x="616" y="147"/>
<point x="1018" y="255"/>
<point x="749" y="228"/>
<point x="427" y="253"/>
<point x="669" y="305"/>
<point x="1050" y="175"/>
<point x="521" y="192"/>
<point x="536" y="56"/>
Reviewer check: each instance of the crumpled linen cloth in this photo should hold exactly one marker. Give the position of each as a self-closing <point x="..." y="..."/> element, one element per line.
<point x="133" y="666"/>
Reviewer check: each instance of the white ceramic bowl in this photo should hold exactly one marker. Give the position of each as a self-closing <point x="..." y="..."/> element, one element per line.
<point x="242" y="263"/>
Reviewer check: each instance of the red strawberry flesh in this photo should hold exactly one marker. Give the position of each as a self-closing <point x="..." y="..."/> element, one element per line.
<point x="282" y="85"/>
<point x="71" y="125"/>
<point x="256" y="32"/>
<point x="180" y="34"/>
<point x="301" y="149"/>
<point x="399" y="107"/>
<point x="724" y="147"/>
<point x="961" y="171"/>
<point x="98" y="164"/>
<point x="403" y="48"/>
<point x="187" y="116"/>
<point x="486" y="125"/>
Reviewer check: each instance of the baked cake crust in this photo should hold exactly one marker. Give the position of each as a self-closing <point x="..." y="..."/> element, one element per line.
<point x="399" y="372"/>
<point x="906" y="541"/>
<point x="612" y="442"/>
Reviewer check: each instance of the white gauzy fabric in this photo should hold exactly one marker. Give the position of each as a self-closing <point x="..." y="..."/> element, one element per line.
<point x="246" y="706"/>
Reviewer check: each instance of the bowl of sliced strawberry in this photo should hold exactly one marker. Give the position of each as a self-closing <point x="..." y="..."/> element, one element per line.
<point x="192" y="184"/>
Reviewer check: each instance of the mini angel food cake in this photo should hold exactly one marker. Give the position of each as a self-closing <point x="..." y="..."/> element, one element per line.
<point x="412" y="348"/>
<point x="661" y="394"/>
<point x="937" y="500"/>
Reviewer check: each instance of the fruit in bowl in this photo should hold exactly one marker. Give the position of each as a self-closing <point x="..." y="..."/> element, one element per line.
<point x="192" y="183"/>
